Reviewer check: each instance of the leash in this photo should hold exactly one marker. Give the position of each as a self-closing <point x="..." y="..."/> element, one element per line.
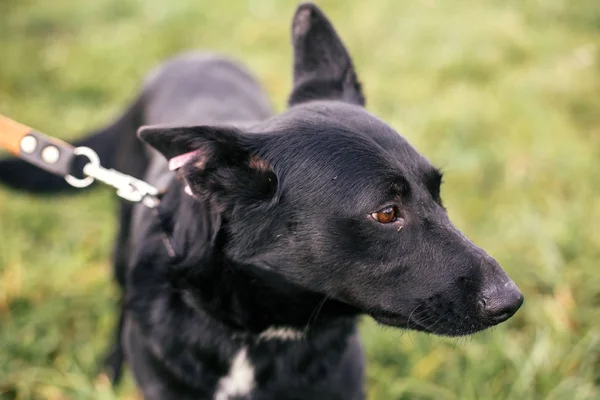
<point x="55" y="156"/>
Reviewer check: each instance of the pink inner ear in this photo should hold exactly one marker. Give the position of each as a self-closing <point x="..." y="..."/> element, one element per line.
<point x="259" y="164"/>
<point x="180" y="160"/>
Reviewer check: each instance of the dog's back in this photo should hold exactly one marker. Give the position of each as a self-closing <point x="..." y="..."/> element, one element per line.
<point x="202" y="88"/>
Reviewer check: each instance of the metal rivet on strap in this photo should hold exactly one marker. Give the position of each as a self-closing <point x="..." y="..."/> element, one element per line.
<point x="50" y="154"/>
<point x="28" y="144"/>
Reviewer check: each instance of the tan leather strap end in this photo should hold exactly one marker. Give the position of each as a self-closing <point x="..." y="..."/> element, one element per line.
<point x="11" y="134"/>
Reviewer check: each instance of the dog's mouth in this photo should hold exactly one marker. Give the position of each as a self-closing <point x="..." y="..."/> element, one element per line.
<point x="397" y="320"/>
<point x="434" y="323"/>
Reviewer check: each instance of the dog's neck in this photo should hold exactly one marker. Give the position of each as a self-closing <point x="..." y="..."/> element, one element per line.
<point x="256" y="303"/>
<point x="244" y="298"/>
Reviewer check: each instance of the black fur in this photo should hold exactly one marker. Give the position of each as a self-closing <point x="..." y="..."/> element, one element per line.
<point x="281" y="232"/>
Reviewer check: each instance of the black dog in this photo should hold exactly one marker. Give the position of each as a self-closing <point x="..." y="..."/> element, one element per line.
<point x="283" y="230"/>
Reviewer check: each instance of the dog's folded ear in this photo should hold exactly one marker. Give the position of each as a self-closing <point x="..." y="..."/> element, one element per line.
<point x="322" y="67"/>
<point x="214" y="160"/>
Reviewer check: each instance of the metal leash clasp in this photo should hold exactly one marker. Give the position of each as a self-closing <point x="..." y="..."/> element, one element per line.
<point x="128" y="187"/>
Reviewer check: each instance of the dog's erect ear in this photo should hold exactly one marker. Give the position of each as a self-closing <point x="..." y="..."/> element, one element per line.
<point x="213" y="159"/>
<point x="322" y="67"/>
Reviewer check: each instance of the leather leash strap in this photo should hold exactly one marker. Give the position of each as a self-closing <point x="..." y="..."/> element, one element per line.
<point x="48" y="153"/>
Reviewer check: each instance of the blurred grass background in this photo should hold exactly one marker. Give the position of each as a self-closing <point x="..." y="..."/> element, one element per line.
<point x="503" y="95"/>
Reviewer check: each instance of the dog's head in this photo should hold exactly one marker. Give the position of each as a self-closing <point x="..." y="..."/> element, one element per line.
<point x="335" y="201"/>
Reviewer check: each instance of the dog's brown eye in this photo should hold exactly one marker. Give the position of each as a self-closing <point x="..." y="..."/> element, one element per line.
<point x="385" y="216"/>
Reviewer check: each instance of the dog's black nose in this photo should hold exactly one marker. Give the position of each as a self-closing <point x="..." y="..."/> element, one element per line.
<point x="499" y="303"/>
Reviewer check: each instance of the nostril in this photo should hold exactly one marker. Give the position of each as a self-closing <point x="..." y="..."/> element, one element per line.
<point x="500" y="306"/>
<point x="482" y="303"/>
<point x="502" y="317"/>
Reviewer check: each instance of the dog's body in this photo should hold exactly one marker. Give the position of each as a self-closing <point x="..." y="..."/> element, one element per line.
<point x="284" y="229"/>
<point x="219" y="361"/>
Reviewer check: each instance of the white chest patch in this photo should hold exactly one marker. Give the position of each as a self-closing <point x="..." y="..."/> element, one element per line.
<point x="281" y="333"/>
<point x="240" y="379"/>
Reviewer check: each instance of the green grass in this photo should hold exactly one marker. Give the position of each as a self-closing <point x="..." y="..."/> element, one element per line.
<point x="504" y="96"/>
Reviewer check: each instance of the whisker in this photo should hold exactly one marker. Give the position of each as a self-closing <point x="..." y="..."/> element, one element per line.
<point x="432" y="328"/>
<point x="408" y="323"/>
<point x="410" y="315"/>
<point x="315" y="313"/>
